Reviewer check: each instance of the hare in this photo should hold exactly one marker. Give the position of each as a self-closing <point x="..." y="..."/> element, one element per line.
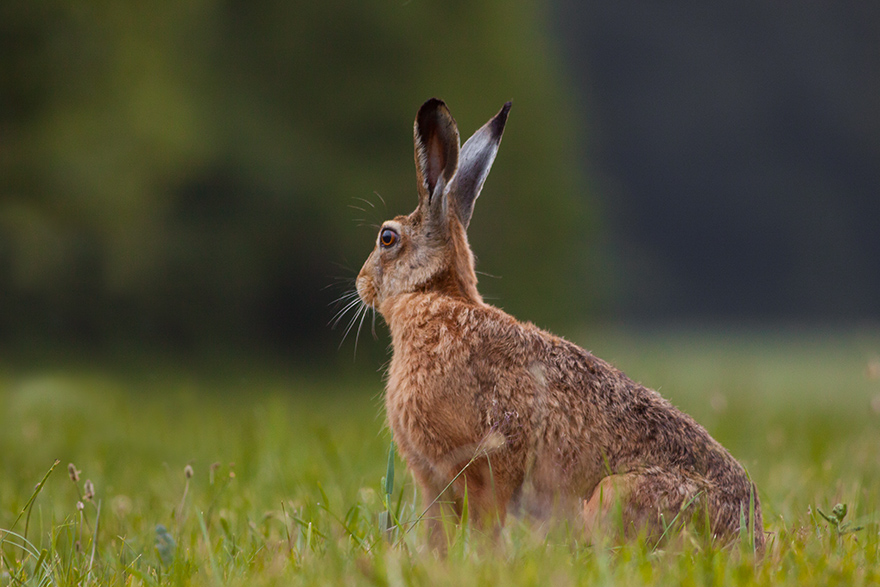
<point x="514" y="416"/>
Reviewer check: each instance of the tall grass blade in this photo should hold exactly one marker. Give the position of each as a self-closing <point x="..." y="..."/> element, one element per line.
<point x="215" y="570"/>
<point x="385" y="518"/>
<point x="29" y="505"/>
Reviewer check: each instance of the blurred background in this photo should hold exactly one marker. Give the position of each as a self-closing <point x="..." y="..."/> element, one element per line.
<point x="207" y="174"/>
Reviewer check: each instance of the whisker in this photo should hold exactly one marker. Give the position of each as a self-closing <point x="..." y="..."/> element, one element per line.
<point x="366" y="201"/>
<point x="343" y="265"/>
<point x="357" y="335"/>
<point x="344" y="298"/>
<point x="337" y="318"/>
<point x="345" y="334"/>
<point x="338" y="281"/>
<point x="348" y="293"/>
<point x="372" y="211"/>
<point x="351" y="324"/>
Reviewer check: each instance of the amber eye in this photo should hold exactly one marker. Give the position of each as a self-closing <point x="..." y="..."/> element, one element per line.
<point x="388" y="237"/>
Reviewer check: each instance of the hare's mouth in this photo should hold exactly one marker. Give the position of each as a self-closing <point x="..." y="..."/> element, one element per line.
<point x="366" y="291"/>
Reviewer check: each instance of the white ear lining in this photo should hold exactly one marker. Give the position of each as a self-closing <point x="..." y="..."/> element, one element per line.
<point x="475" y="162"/>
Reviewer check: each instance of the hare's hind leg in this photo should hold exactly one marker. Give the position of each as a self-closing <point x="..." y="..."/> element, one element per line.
<point x="603" y="511"/>
<point x="649" y="502"/>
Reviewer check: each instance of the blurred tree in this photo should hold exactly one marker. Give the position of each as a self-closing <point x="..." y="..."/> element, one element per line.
<point x="181" y="172"/>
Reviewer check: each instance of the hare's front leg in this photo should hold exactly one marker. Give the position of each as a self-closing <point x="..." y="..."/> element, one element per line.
<point x="489" y="491"/>
<point x="440" y="504"/>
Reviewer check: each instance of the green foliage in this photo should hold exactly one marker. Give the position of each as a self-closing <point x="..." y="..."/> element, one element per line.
<point x="268" y="478"/>
<point x="182" y="171"/>
<point x="836" y="519"/>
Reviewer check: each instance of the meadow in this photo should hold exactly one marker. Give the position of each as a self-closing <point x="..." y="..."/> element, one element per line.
<point x="155" y="472"/>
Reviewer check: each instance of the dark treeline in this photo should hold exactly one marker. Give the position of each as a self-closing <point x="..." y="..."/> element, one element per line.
<point x="190" y="173"/>
<point x="737" y="151"/>
<point x="183" y="173"/>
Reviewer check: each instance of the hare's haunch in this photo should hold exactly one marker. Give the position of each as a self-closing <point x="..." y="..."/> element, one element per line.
<point x="531" y="419"/>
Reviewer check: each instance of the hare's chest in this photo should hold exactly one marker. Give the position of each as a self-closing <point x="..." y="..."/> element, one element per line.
<point x="430" y="414"/>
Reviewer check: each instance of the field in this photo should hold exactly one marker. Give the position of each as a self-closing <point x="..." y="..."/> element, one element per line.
<point x="253" y="474"/>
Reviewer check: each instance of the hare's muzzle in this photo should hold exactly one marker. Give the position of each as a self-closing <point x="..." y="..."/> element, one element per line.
<point x="365" y="289"/>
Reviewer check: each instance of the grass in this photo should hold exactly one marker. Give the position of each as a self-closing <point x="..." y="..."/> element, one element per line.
<point x="266" y="477"/>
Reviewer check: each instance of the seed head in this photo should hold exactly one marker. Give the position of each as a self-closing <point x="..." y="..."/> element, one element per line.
<point x="88" y="490"/>
<point x="492" y="442"/>
<point x="74" y="474"/>
<point x="188" y="472"/>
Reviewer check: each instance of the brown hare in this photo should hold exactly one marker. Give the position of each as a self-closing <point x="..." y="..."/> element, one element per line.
<point x="533" y="421"/>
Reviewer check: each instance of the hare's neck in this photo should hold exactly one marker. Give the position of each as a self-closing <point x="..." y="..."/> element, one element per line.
<point x="455" y="284"/>
<point x="458" y="279"/>
<point x="416" y="316"/>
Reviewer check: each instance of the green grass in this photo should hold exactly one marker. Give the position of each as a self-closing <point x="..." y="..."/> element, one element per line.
<point x="288" y="488"/>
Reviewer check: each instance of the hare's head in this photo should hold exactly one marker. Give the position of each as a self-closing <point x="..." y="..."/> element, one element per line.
<point x="428" y="249"/>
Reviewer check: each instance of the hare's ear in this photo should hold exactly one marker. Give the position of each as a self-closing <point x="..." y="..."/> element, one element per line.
<point x="477" y="156"/>
<point x="436" y="150"/>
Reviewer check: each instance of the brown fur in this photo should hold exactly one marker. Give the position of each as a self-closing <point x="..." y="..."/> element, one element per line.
<point x="532" y="419"/>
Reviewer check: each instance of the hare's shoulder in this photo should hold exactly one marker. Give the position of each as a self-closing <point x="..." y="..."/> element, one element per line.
<point x="436" y="332"/>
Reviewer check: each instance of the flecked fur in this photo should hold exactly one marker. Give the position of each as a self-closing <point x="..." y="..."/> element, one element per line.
<point x="536" y="422"/>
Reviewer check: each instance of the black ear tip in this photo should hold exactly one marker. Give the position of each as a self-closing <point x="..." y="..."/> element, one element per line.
<point x="432" y="111"/>
<point x="433" y="104"/>
<point x="501" y="118"/>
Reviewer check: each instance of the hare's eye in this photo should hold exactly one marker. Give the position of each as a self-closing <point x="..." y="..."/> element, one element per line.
<point x="388" y="238"/>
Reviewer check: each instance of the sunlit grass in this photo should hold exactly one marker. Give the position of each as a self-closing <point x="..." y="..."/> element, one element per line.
<point x="264" y="477"/>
